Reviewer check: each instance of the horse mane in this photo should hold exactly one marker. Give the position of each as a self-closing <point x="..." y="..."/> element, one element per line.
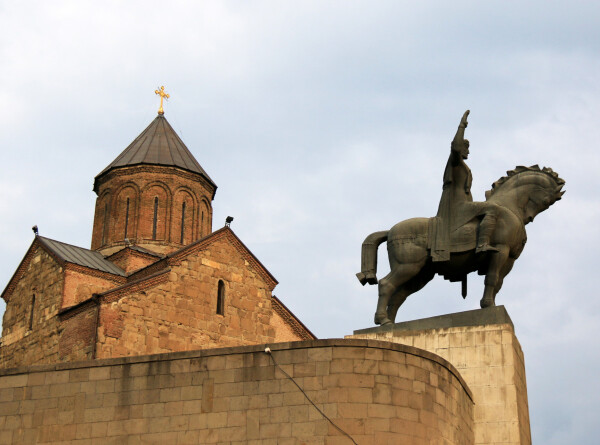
<point x="520" y="169"/>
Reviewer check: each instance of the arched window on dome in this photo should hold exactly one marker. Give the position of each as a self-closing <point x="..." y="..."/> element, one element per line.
<point x="202" y="226"/>
<point x="221" y="298"/>
<point x="104" y="224"/>
<point x="182" y="222"/>
<point x="155" y="203"/>
<point x="154" y="220"/>
<point x="122" y="220"/>
<point x="126" y="219"/>
<point x="205" y="227"/>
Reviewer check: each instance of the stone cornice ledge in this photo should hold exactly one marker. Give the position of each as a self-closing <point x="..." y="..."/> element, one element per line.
<point x="309" y="344"/>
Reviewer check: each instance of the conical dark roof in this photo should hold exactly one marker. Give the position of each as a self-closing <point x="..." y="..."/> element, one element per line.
<point x="158" y="144"/>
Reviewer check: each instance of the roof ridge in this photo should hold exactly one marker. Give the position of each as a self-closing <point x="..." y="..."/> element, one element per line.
<point x="67" y="244"/>
<point x="186" y="150"/>
<point x="169" y="151"/>
<point x="74" y="254"/>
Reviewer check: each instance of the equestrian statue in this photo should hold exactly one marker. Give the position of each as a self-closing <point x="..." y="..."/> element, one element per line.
<point x="464" y="237"/>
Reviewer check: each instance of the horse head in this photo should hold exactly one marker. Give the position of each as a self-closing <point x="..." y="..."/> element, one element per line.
<point x="527" y="191"/>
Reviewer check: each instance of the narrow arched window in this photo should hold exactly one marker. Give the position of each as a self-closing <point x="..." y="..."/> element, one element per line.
<point x="221" y="298"/>
<point x="155" y="217"/>
<point x="182" y="221"/>
<point x="202" y="226"/>
<point x="126" y="218"/>
<point x="31" y="312"/>
<point x="105" y="224"/>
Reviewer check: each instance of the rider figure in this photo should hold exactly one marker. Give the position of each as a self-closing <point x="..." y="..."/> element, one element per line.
<point x="456" y="205"/>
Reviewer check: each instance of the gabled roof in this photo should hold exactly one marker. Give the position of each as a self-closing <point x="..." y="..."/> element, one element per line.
<point x="63" y="253"/>
<point x="79" y="255"/>
<point x="158" y="144"/>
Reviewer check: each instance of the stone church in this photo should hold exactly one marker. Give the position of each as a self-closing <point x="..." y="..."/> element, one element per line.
<point x="157" y="277"/>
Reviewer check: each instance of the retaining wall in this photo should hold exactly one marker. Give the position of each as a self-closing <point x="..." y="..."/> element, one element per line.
<point x="376" y="392"/>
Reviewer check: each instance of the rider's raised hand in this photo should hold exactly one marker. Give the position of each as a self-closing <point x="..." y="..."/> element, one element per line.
<point x="463" y="121"/>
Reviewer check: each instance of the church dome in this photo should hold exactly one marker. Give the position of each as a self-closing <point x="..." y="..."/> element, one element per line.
<point x="155" y="194"/>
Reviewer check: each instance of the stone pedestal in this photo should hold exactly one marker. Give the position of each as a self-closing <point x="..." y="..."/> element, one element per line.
<point x="482" y="345"/>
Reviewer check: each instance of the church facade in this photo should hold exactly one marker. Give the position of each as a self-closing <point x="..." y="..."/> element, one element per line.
<point x="157" y="278"/>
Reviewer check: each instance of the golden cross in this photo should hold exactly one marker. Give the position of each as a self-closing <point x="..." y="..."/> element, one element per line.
<point x="162" y="94"/>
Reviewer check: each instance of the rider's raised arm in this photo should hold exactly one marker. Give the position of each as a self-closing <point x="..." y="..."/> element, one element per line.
<point x="459" y="139"/>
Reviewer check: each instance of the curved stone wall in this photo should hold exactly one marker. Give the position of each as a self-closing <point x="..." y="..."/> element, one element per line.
<point x="375" y="392"/>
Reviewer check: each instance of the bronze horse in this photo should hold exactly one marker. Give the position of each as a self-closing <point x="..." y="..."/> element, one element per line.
<point x="520" y="196"/>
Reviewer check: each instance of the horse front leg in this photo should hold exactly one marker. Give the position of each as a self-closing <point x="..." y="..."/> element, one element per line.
<point x="494" y="275"/>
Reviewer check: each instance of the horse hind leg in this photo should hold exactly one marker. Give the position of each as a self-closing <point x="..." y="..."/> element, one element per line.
<point x="414" y="285"/>
<point x="388" y="286"/>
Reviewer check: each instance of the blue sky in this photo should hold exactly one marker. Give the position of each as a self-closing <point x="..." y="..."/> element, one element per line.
<point x="322" y="122"/>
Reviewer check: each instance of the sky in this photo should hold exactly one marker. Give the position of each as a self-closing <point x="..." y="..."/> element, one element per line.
<point x="322" y="122"/>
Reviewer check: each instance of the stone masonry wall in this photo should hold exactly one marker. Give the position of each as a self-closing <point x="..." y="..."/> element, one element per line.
<point x="377" y="392"/>
<point x="283" y="331"/>
<point x="77" y="334"/>
<point x="29" y="329"/>
<point x="81" y="283"/>
<point x="490" y="359"/>
<point x="180" y="312"/>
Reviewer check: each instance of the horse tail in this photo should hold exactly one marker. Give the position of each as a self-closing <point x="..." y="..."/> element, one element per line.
<point x="368" y="273"/>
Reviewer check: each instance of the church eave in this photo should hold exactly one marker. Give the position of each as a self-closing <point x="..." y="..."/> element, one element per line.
<point x="292" y="321"/>
<point x="98" y="179"/>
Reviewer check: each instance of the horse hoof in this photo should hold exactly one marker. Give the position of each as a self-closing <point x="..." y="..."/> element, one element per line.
<point x="382" y="319"/>
<point x="368" y="277"/>
<point x="486" y="248"/>
<point x="362" y="278"/>
<point x="485" y="302"/>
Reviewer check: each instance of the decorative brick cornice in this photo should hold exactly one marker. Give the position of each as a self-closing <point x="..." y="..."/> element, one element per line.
<point x="132" y="252"/>
<point x="95" y="273"/>
<point x="117" y="293"/>
<point x="72" y="311"/>
<point x="291" y="320"/>
<point x="224" y="233"/>
<point x="158" y="169"/>
<point x="254" y="262"/>
<point x="20" y="270"/>
<point x="151" y="269"/>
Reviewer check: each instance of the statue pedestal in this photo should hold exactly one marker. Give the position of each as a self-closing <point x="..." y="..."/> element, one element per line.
<point x="482" y="345"/>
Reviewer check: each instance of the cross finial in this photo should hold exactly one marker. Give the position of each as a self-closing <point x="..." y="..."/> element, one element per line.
<point x="162" y="95"/>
